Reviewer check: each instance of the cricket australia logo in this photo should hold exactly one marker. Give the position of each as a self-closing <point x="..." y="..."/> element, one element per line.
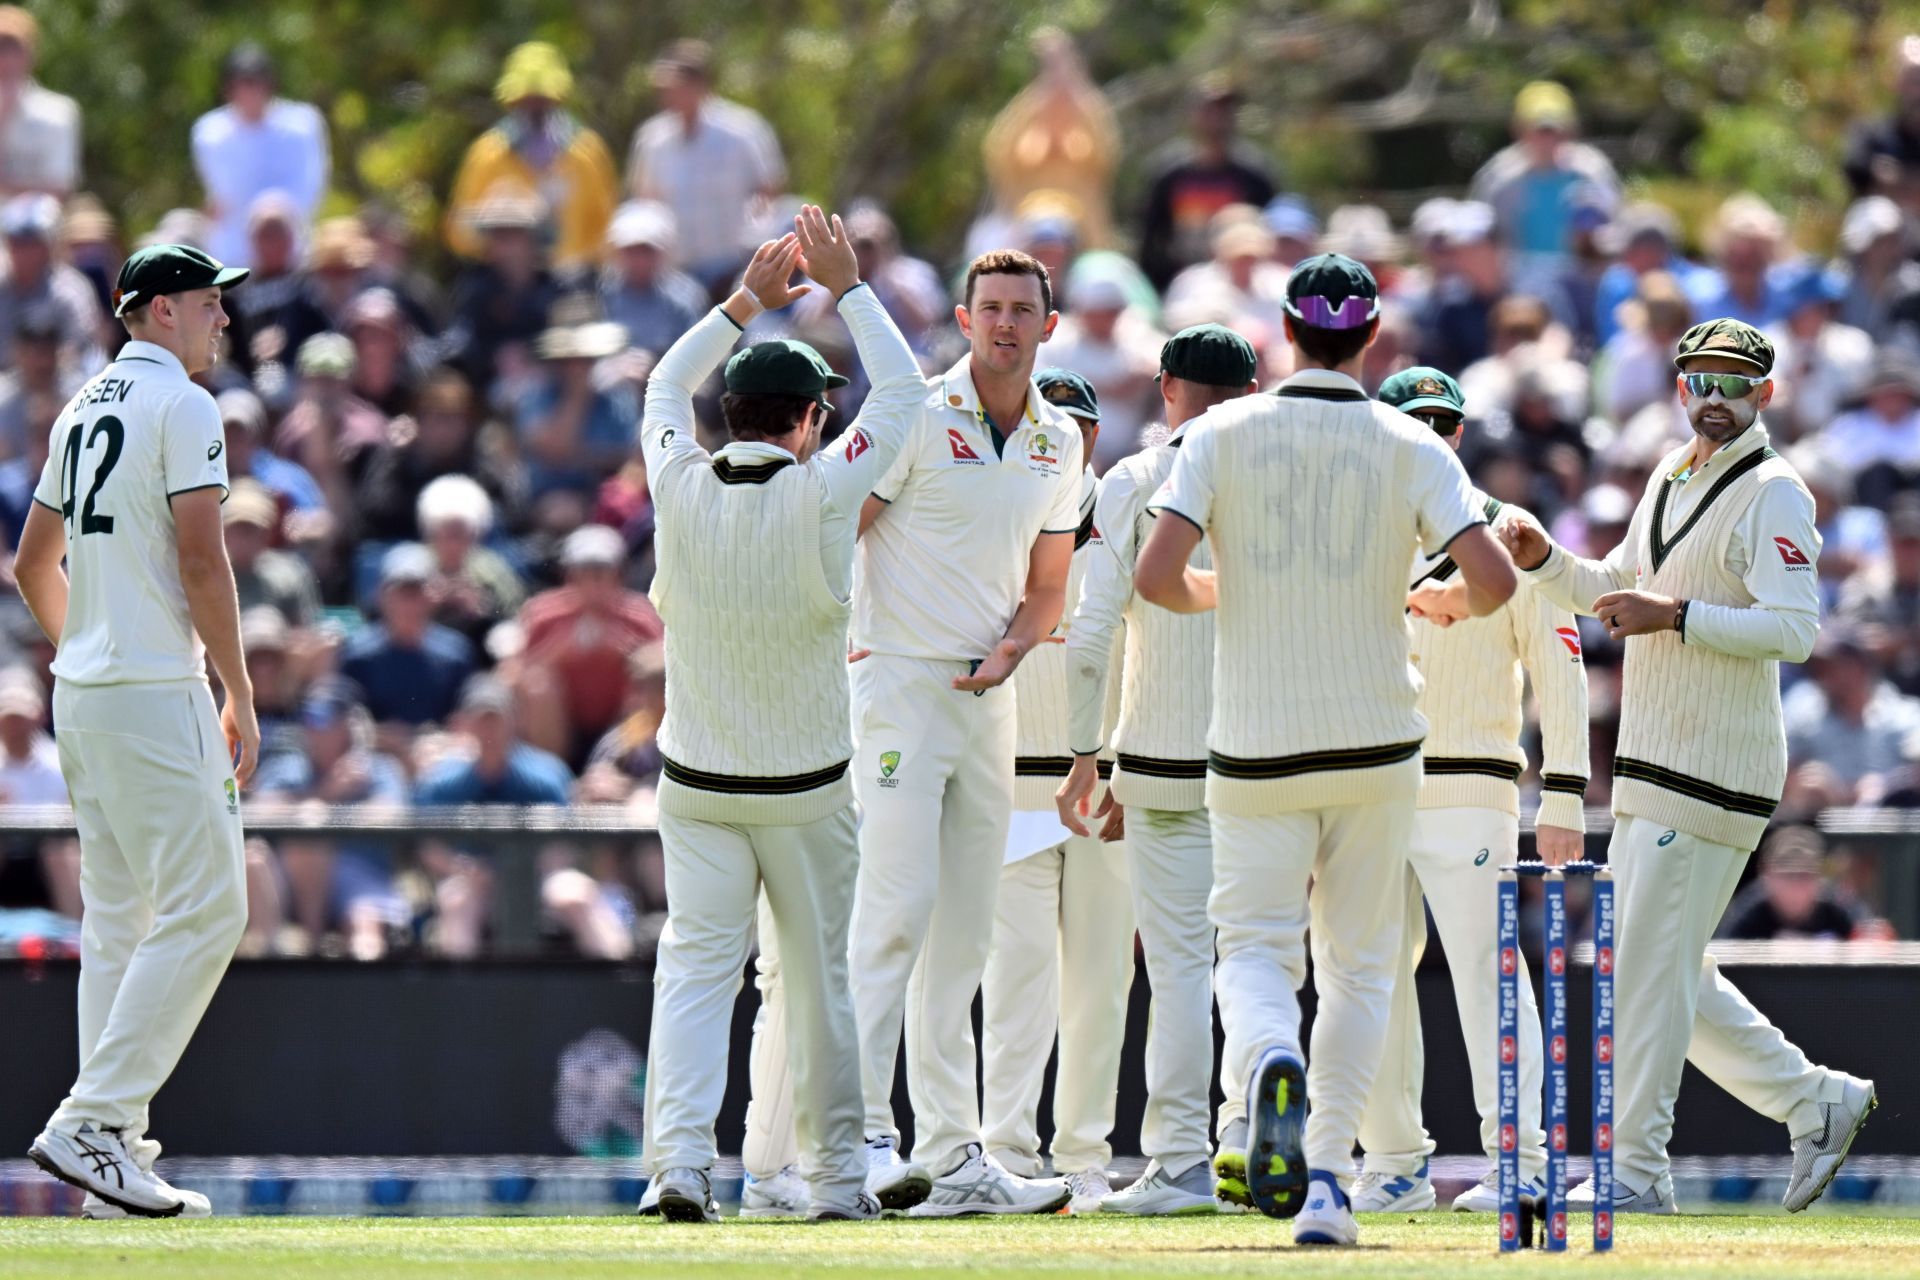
<point x="889" y="761"/>
<point x="233" y="797"/>
<point x="1041" y="456"/>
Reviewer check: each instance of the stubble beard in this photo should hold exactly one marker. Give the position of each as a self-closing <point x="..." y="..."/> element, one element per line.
<point x="1719" y="430"/>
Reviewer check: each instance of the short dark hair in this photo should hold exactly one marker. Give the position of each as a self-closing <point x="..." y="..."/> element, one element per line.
<point x="762" y="415"/>
<point x="1010" y="262"/>
<point x="1332" y="347"/>
<point x="1206" y="394"/>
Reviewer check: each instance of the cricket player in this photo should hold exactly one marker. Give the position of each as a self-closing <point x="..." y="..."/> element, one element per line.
<point x="1467" y="827"/>
<point x="1714" y="586"/>
<point x="130" y="497"/>
<point x="1314" y="500"/>
<point x="1062" y="955"/>
<point x="1159" y="783"/>
<point x="755" y="551"/>
<point x="963" y="566"/>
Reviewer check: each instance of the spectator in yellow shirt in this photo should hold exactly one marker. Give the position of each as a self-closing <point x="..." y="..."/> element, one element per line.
<point x="542" y="149"/>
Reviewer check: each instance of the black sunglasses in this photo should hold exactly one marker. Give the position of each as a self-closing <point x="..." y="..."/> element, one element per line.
<point x="1442" y="422"/>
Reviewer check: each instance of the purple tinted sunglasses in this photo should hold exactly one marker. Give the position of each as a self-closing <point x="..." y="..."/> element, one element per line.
<point x="1321" y="313"/>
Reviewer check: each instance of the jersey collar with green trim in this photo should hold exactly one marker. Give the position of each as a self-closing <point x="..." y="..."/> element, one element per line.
<point x="751" y="462"/>
<point x="1320" y="384"/>
<point x="1728" y="463"/>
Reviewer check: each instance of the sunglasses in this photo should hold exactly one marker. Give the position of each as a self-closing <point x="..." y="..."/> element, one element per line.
<point x="1441" y="421"/>
<point x="1731" y="386"/>
<point x="1323" y="313"/>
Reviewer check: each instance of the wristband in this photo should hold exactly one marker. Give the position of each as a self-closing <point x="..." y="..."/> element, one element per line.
<point x="1680" y="619"/>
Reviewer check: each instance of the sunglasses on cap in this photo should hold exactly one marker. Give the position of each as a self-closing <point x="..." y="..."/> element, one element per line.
<point x="1440" y="420"/>
<point x="1323" y="313"/>
<point x="1731" y="386"/>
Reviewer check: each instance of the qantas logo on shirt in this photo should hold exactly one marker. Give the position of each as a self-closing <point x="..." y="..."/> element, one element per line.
<point x="1793" y="557"/>
<point x="860" y="443"/>
<point x="1570" y="638"/>
<point x="962" y="451"/>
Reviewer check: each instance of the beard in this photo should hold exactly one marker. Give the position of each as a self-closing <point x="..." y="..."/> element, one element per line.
<point x="1718" y="421"/>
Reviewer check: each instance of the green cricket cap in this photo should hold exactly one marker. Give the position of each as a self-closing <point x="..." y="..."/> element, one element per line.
<point x="1727" y="338"/>
<point x="169" y="268"/>
<point x="1209" y="354"/>
<point x="781" y="367"/>
<point x="1422" y="387"/>
<point x="1068" y="391"/>
<point x="1332" y="291"/>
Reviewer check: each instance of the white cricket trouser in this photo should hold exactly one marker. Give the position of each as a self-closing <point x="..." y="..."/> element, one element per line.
<point x="769" y="1145"/>
<point x="714" y="873"/>
<point x="162" y="880"/>
<point x="1455" y="857"/>
<point x="1671" y="1002"/>
<point x="933" y="838"/>
<point x="1355" y="856"/>
<point x="1171" y="854"/>
<point x="1062" y="960"/>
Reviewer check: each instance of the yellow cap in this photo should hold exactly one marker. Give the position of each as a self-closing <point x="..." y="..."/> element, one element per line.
<point x="534" y="70"/>
<point x="1545" y="104"/>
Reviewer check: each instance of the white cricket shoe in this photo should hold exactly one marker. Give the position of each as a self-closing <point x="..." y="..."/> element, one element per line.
<point x="1484" y="1195"/>
<point x="1157" y="1194"/>
<point x="979" y="1185"/>
<point x="686" y="1195"/>
<point x="1817" y="1157"/>
<point x="784" y="1195"/>
<point x="897" y="1184"/>
<point x="650" y="1200"/>
<point x="862" y="1208"/>
<point x="1657" y="1198"/>
<point x="192" y="1205"/>
<point x="1326" y="1217"/>
<point x="98" y="1162"/>
<point x="1393" y="1192"/>
<point x="1087" y="1189"/>
<point x="1230" y="1169"/>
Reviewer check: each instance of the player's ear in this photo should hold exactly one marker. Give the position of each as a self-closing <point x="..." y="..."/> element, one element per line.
<point x="961" y="318"/>
<point x="1053" y="322"/>
<point x="1766" y="394"/>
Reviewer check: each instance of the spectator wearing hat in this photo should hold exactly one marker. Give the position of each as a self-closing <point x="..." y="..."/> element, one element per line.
<point x="332" y="886"/>
<point x="1883" y="156"/>
<point x="383" y="346"/>
<point x="1531" y="184"/>
<point x="473" y="587"/>
<point x="36" y="281"/>
<point x="441" y="437"/>
<point x="91" y="241"/>
<point x="39" y="129"/>
<point x="294" y="492"/>
<point x="1748" y="244"/>
<point x="39" y="372"/>
<point x="1820" y="363"/>
<point x="709" y="160"/>
<point x="1793" y="897"/>
<point x="278" y="579"/>
<point x="267" y="646"/>
<point x="257" y="142"/>
<point x="641" y="289"/>
<point x="1105" y="340"/>
<point x="409" y="666"/>
<point x="1195" y="179"/>
<point x="1365" y="233"/>
<point x="1241" y="280"/>
<point x="578" y="636"/>
<point x="1878" y="443"/>
<point x="1879" y="275"/>
<point x="574" y="428"/>
<point x="1057" y="133"/>
<point x="1457" y="327"/>
<point x="502" y="768"/>
<point x="1635" y="368"/>
<point x="538" y="148"/>
<point x="1296" y="232"/>
<point x="1848" y="725"/>
<point x="500" y="303"/>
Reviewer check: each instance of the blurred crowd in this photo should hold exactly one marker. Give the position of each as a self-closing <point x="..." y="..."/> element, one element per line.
<point x="439" y="518"/>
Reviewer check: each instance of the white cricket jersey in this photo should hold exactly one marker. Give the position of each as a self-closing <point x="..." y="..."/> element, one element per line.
<point x="942" y="571"/>
<point x="1314" y="499"/>
<point x="132" y="438"/>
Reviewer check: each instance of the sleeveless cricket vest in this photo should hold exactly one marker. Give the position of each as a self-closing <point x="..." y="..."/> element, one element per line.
<point x="1167" y="682"/>
<point x="1702" y="746"/>
<point x="757" y="727"/>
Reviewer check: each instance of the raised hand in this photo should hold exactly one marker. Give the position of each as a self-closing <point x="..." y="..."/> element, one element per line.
<point x="768" y="274"/>
<point x="827" y="255"/>
<point x="1525" y="541"/>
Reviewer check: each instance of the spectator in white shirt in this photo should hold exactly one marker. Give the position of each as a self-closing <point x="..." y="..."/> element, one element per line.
<point x="1878" y="444"/>
<point x="256" y="143"/>
<point x="709" y="160"/>
<point x="1112" y="346"/>
<point x="39" y="129"/>
<point x="35" y="281"/>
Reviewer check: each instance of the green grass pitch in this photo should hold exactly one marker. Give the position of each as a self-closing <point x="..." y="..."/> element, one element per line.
<point x="1430" y="1246"/>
